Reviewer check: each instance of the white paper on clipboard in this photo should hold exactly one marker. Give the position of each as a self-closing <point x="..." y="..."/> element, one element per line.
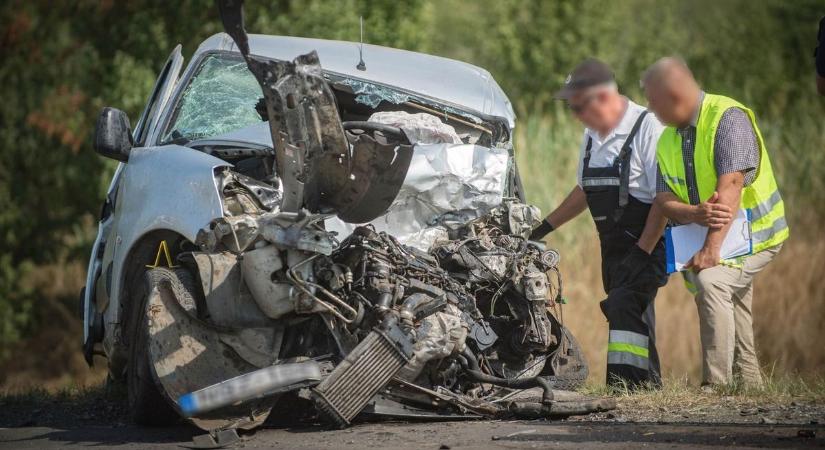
<point x="683" y="241"/>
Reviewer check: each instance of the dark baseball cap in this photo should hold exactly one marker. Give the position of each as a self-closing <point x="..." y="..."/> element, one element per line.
<point x="590" y="72"/>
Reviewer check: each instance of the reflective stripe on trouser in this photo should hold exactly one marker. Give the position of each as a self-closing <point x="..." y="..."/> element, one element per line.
<point x="628" y="347"/>
<point x="632" y="359"/>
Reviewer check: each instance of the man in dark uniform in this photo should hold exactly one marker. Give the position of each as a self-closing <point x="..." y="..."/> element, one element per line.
<point x="617" y="183"/>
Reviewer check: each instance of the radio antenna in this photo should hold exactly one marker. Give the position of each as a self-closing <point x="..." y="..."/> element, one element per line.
<point x="361" y="65"/>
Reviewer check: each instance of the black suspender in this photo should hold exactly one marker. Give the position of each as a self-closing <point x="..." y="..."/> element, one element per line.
<point x="624" y="158"/>
<point x="586" y="162"/>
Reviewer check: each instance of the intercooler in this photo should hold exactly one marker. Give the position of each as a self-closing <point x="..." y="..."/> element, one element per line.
<point x="361" y="375"/>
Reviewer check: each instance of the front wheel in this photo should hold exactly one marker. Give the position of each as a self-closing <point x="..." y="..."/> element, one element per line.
<point x="147" y="404"/>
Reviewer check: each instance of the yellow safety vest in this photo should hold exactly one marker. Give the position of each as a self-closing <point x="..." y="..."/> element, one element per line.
<point x="768" y="224"/>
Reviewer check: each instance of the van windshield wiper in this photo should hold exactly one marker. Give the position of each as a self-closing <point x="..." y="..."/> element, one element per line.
<point x="230" y="149"/>
<point x="176" y="138"/>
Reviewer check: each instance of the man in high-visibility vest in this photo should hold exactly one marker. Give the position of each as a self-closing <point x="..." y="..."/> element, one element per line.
<point x="712" y="163"/>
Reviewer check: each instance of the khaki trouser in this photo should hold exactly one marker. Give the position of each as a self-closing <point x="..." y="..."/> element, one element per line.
<point x="724" y="299"/>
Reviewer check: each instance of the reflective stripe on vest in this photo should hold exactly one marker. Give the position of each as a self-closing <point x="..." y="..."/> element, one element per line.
<point x="762" y="197"/>
<point x="689" y="284"/>
<point x="605" y="181"/>
<point x="766" y="234"/>
<point x="763" y="209"/>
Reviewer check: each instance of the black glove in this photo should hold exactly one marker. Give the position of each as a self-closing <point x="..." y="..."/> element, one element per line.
<point x="542" y="230"/>
<point x="636" y="267"/>
<point x="636" y="256"/>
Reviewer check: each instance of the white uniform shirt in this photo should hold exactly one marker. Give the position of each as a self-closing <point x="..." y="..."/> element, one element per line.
<point x="643" y="160"/>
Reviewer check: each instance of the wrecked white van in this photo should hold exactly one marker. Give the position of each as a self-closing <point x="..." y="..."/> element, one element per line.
<point x="300" y="223"/>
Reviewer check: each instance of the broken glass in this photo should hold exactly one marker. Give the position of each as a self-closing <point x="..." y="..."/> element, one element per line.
<point x="220" y="98"/>
<point x="372" y="94"/>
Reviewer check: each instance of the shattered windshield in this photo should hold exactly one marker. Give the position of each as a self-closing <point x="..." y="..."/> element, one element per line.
<point x="220" y="98"/>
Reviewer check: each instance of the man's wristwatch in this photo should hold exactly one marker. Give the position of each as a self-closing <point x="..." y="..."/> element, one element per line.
<point x="542" y="230"/>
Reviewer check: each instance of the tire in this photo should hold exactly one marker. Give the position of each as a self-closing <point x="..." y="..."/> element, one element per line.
<point x="147" y="404"/>
<point x="568" y="364"/>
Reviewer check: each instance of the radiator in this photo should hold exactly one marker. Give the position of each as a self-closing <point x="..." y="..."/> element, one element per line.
<point x="362" y="374"/>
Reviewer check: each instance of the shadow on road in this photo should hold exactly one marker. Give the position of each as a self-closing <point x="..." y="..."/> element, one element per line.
<point x="37" y="437"/>
<point x="726" y="435"/>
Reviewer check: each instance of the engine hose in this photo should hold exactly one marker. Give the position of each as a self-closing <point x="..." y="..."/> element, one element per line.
<point x="410" y="305"/>
<point x="384" y="301"/>
<point x="470" y="365"/>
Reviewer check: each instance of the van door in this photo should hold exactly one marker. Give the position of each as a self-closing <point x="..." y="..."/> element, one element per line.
<point x="165" y="84"/>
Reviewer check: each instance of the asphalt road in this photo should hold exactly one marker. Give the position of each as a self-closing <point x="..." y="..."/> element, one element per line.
<point x="444" y="435"/>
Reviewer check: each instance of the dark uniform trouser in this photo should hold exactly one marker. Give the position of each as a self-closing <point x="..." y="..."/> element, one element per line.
<point x="631" y="279"/>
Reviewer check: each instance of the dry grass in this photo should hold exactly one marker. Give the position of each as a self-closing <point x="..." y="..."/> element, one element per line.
<point x="681" y="392"/>
<point x="783" y="399"/>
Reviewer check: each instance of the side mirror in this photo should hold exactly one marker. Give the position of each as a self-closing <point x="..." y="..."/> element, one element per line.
<point x="113" y="136"/>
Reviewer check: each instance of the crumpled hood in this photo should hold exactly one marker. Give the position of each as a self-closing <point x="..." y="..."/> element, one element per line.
<point x="446" y="185"/>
